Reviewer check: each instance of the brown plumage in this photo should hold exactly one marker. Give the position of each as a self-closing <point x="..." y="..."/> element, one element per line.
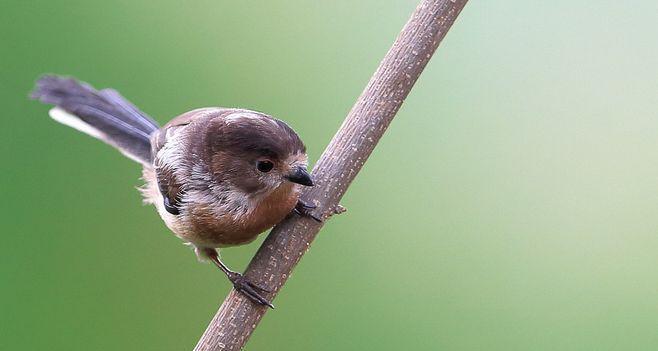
<point x="217" y="176"/>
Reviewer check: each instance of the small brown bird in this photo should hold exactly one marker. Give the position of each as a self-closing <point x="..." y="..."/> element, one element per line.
<point x="217" y="176"/>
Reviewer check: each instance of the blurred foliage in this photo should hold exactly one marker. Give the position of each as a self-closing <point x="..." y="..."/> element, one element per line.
<point x="511" y="206"/>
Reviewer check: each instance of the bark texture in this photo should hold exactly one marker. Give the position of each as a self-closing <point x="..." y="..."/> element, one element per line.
<point x="338" y="166"/>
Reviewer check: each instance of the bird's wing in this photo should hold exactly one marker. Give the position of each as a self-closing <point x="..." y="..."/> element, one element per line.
<point x="171" y="147"/>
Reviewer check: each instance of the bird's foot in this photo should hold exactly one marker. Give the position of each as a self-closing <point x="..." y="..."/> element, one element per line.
<point x="249" y="289"/>
<point x="305" y="209"/>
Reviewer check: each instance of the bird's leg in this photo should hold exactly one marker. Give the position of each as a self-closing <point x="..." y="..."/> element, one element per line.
<point x="240" y="283"/>
<point x="304" y="209"/>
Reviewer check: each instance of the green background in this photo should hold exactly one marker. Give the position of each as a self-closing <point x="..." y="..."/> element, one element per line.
<point x="512" y="205"/>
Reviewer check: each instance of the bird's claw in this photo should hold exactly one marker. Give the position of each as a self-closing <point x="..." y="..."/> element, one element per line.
<point x="249" y="289"/>
<point x="304" y="209"/>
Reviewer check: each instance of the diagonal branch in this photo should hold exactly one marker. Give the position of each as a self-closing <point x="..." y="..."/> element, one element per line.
<point x="339" y="164"/>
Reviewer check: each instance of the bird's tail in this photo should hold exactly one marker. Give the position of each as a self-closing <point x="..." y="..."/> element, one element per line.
<point x="104" y="114"/>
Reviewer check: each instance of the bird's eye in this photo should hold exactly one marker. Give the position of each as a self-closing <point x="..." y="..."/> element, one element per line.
<point x="264" y="166"/>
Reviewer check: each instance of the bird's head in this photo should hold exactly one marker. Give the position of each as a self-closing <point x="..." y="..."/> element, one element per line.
<point x="256" y="153"/>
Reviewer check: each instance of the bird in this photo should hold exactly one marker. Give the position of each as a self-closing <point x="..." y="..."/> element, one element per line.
<point x="217" y="176"/>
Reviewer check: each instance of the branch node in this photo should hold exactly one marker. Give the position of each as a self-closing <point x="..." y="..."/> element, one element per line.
<point x="339" y="209"/>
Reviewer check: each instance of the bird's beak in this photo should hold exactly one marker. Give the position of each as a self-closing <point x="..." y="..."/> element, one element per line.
<point x="300" y="175"/>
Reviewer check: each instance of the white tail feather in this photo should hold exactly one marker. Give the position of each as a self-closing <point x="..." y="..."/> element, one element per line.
<point x="74" y="122"/>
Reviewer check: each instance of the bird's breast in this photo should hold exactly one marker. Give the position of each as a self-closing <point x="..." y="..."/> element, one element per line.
<point x="237" y="221"/>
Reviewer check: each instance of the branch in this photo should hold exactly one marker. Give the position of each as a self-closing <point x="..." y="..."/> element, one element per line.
<point x="339" y="164"/>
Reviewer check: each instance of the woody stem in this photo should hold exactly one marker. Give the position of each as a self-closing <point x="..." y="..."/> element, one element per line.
<point x="338" y="166"/>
